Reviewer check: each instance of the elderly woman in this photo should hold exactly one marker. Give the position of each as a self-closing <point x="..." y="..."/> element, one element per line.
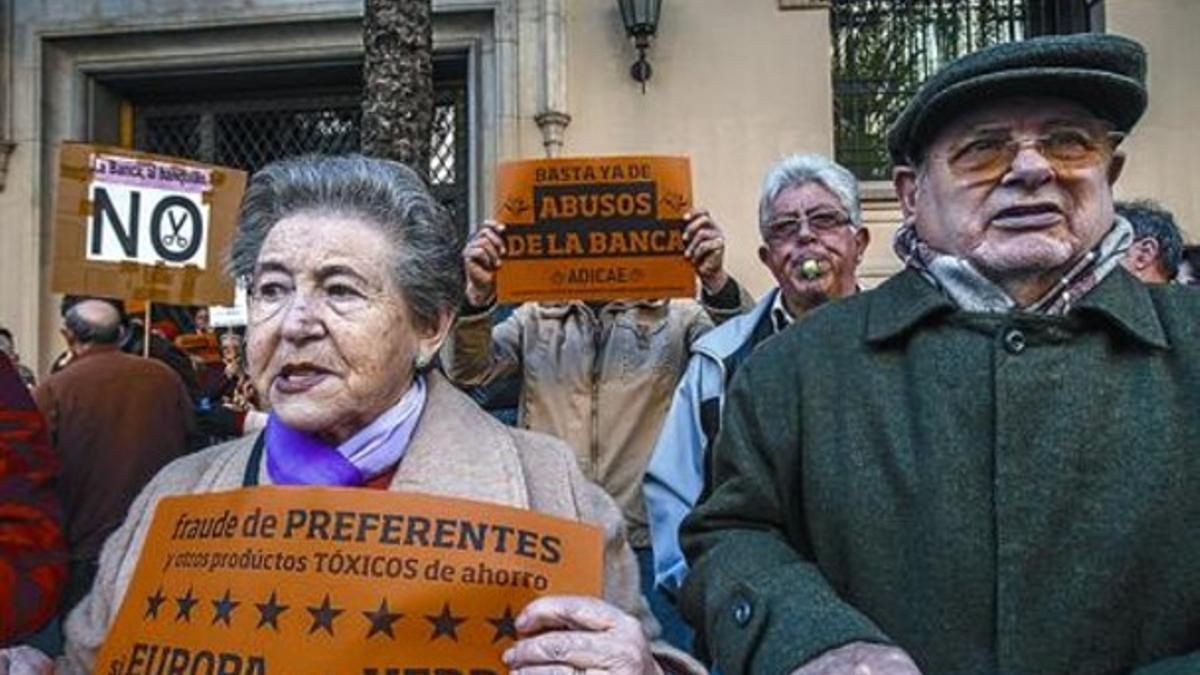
<point x="355" y="275"/>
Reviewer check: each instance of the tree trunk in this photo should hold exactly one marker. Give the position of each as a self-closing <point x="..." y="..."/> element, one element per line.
<point x="398" y="81"/>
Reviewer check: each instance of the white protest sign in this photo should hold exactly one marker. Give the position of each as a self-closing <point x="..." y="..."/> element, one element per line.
<point x="148" y="212"/>
<point x="228" y="316"/>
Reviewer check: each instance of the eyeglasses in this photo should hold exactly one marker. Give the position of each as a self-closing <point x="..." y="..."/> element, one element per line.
<point x="788" y="227"/>
<point x="989" y="157"/>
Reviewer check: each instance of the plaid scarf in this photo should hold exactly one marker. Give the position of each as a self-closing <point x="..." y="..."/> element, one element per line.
<point x="974" y="292"/>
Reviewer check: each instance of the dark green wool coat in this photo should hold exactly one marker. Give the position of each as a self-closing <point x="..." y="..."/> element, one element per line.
<point x="1002" y="493"/>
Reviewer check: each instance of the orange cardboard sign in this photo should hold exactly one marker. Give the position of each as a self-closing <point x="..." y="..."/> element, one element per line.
<point x="137" y="226"/>
<point x="329" y="580"/>
<point x="594" y="228"/>
<point x="201" y="346"/>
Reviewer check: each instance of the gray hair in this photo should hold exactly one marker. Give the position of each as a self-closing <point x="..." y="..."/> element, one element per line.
<point x="427" y="265"/>
<point x="93" y="322"/>
<point x="1150" y="219"/>
<point x="796" y="170"/>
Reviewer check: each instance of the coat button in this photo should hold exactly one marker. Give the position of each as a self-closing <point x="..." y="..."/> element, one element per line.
<point x="742" y="611"/>
<point x="1014" y="341"/>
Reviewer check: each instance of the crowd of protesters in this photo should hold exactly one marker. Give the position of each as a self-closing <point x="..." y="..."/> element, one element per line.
<point x="110" y="420"/>
<point x="985" y="465"/>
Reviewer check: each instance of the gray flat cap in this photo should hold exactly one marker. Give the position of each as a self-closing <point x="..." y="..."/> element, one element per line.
<point x="1104" y="73"/>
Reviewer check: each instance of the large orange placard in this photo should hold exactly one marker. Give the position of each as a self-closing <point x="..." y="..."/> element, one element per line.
<point x="594" y="228"/>
<point x="328" y="580"/>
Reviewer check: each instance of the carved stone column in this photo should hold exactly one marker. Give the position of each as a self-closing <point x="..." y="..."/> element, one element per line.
<point x="552" y="117"/>
<point x="553" y="125"/>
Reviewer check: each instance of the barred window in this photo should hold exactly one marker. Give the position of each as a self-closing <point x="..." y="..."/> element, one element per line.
<point x="884" y="49"/>
<point x="249" y="129"/>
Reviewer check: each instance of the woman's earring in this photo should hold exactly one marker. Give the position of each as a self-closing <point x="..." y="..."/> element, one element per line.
<point x="420" y="361"/>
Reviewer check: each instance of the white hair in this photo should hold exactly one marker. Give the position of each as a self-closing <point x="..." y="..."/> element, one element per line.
<point x="796" y="170"/>
<point x="427" y="260"/>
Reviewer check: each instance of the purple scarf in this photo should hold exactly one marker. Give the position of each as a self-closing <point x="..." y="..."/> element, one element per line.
<point x="299" y="458"/>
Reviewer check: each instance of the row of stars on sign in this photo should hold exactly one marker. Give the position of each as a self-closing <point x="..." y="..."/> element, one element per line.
<point x="381" y="620"/>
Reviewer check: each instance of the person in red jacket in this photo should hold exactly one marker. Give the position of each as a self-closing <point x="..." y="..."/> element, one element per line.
<point x="33" y="559"/>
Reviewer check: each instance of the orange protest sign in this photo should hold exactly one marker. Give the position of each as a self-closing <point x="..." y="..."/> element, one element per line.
<point x="144" y="227"/>
<point x="201" y="346"/>
<point x="594" y="228"/>
<point x="325" y="580"/>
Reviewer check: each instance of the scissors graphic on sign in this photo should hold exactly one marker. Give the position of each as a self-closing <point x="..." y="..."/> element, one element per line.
<point x="174" y="238"/>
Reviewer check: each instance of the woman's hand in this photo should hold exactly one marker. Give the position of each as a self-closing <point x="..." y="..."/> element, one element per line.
<point x="861" y="658"/>
<point x="575" y="634"/>
<point x="482" y="258"/>
<point x="23" y="660"/>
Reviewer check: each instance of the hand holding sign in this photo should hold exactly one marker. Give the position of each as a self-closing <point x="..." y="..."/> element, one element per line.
<point x="579" y="633"/>
<point x="24" y="660"/>
<point x="482" y="257"/>
<point x="705" y="249"/>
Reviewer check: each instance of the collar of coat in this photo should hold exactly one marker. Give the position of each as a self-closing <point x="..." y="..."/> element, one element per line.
<point x="460" y="451"/>
<point x="907" y="299"/>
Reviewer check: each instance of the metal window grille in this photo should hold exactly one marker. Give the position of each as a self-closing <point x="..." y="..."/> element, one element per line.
<point x="884" y="49"/>
<point x="442" y="164"/>
<point x="249" y="133"/>
<point x="1057" y="17"/>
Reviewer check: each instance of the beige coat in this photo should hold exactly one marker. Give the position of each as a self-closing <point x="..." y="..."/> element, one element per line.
<point x="458" y="450"/>
<point x="601" y="383"/>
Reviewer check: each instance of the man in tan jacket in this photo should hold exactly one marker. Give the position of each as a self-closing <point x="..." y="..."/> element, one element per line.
<point x="599" y="375"/>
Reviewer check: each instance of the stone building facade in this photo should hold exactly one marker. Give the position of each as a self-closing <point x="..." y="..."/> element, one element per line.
<point x="736" y="84"/>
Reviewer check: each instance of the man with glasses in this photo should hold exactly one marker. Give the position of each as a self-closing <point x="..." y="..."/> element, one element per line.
<point x="810" y="220"/>
<point x="987" y="464"/>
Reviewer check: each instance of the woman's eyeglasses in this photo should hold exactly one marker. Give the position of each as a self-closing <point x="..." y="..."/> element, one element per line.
<point x="989" y="156"/>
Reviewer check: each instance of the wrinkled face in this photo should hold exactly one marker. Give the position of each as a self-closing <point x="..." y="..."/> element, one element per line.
<point x="1022" y="187"/>
<point x="330" y="341"/>
<point x="809" y="223"/>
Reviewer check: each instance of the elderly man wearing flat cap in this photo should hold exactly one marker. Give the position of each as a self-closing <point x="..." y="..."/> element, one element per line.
<point x="988" y="464"/>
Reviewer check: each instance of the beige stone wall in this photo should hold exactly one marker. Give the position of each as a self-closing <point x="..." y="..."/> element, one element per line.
<point x="881" y="215"/>
<point x="736" y="86"/>
<point x="52" y="52"/>
<point x="1164" y="151"/>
